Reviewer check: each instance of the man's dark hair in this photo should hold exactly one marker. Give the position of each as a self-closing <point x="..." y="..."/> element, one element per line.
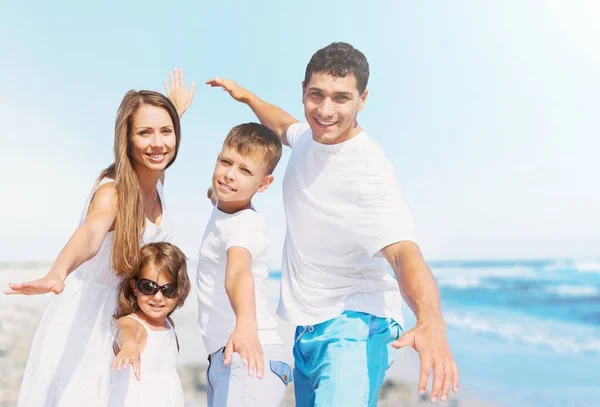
<point x="339" y="59"/>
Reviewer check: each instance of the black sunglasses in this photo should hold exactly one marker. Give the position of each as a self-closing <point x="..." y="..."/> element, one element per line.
<point x="149" y="287"/>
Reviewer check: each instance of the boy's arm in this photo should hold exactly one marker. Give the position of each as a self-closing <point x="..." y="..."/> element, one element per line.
<point x="127" y="345"/>
<point x="269" y="115"/>
<point x="428" y="337"/>
<point x="239" y="284"/>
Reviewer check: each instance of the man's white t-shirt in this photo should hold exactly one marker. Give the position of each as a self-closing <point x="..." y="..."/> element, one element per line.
<point x="216" y="319"/>
<point x="342" y="205"/>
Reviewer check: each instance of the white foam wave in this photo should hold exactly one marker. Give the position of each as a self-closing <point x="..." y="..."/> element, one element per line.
<point x="504" y="272"/>
<point x="573" y="291"/>
<point x="464" y="282"/>
<point x="566" y="340"/>
<point x="588" y="266"/>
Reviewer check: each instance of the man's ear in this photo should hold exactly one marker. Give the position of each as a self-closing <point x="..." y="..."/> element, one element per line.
<point x="265" y="183"/>
<point x="363" y="99"/>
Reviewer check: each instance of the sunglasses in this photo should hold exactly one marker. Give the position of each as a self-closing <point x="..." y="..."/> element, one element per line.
<point x="149" y="287"/>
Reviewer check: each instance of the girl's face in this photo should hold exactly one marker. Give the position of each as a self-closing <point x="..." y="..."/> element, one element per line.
<point x="155" y="306"/>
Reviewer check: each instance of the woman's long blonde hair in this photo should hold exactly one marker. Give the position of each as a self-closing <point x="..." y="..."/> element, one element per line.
<point x="130" y="221"/>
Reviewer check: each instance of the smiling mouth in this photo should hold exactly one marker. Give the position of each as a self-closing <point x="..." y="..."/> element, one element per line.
<point x="326" y="124"/>
<point x="156" y="156"/>
<point x="226" y="187"/>
<point x="156" y="307"/>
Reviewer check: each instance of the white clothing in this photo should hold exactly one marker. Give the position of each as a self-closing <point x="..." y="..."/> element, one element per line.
<point x="216" y="319"/>
<point x="343" y="205"/>
<point x="159" y="383"/>
<point x="71" y="353"/>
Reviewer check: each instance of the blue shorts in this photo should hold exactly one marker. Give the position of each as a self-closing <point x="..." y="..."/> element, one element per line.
<point x="342" y="362"/>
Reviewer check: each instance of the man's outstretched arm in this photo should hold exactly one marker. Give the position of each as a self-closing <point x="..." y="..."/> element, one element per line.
<point x="269" y="115"/>
<point x="428" y="337"/>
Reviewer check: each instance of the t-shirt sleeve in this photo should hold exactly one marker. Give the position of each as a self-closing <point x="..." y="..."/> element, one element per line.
<point x="249" y="231"/>
<point x="382" y="216"/>
<point x="295" y="131"/>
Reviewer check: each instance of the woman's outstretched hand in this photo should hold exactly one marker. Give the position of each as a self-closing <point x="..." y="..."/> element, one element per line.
<point x="177" y="93"/>
<point x="52" y="282"/>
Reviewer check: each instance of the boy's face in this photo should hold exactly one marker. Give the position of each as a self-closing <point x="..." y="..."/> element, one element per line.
<point x="237" y="177"/>
<point x="331" y="105"/>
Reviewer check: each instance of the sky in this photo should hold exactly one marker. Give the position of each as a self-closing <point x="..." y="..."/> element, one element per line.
<point x="486" y="110"/>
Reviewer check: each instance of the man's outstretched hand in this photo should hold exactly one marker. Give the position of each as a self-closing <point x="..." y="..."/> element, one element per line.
<point x="236" y="91"/>
<point x="428" y="338"/>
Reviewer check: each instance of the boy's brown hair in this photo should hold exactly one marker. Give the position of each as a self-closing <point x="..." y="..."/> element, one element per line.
<point x="256" y="140"/>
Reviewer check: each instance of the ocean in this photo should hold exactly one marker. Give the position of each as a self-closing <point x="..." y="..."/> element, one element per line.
<point x="524" y="333"/>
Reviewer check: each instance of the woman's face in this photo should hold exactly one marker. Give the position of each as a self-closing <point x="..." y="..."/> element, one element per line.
<point x="153" y="142"/>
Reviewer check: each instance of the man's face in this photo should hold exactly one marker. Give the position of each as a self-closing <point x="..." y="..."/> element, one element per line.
<point x="331" y="105"/>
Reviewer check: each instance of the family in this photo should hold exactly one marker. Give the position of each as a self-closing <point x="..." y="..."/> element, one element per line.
<point x="107" y="338"/>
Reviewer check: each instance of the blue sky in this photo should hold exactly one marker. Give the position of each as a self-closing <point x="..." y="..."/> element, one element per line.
<point x="485" y="109"/>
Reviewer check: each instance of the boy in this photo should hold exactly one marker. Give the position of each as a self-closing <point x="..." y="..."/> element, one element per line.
<point x="248" y="366"/>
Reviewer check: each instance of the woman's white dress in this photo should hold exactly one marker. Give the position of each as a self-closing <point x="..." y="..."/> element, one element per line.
<point x="71" y="353"/>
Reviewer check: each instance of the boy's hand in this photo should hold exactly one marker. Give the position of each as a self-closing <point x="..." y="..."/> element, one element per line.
<point x="129" y="355"/>
<point x="177" y="94"/>
<point x="51" y="283"/>
<point x="244" y="340"/>
<point x="236" y="91"/>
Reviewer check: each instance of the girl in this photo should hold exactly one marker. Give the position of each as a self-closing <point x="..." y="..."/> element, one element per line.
<point x="145" y="337"/>
<point x="71" y="353"/>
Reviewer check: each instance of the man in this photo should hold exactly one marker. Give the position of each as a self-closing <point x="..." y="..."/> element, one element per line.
<point x="345" y="215"/>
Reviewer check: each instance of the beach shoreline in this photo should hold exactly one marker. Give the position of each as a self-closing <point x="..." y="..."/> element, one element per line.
<point x="20" y="315"/>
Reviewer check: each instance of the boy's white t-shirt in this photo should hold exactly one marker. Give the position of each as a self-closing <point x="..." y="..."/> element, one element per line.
<point x="342" y="205"/>
<point x="216" y="319"/>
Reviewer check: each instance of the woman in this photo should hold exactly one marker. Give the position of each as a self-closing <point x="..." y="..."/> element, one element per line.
<point x="71" y="354"/>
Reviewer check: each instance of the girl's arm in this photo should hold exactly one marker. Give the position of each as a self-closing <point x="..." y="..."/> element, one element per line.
<point x="239" y="284"/>
<point x="128" y="345"/>
<point x="82" y="246"/>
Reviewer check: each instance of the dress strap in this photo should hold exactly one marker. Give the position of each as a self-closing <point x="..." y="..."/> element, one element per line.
<point x="138" y="319"/>
<point x="172" y="326"/>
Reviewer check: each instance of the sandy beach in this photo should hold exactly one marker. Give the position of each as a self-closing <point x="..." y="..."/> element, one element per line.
<point x="20" y="315"/>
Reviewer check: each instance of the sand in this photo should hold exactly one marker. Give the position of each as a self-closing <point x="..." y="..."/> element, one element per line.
<point x="20" y="315"/>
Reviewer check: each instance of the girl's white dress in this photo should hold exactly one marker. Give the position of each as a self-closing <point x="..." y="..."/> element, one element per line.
<point x="71" y="353"/>
<point x="159" y="383"/>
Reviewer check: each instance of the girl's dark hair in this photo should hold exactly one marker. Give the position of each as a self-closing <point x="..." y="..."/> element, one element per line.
<point x="170" y="261"/>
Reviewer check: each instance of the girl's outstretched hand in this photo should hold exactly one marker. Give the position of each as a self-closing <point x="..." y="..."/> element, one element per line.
<point x="52" y="282"/>
<point x="177" y="93"/>
<point x="129" y="355"/>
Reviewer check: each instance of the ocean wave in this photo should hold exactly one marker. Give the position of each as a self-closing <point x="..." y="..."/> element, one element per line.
<point x="572" y="291"/>
<point x="588" y="266"/>
<point x="560" y="339"/>
<point x="578" y="265"/>
<point x="497" y="271"/>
